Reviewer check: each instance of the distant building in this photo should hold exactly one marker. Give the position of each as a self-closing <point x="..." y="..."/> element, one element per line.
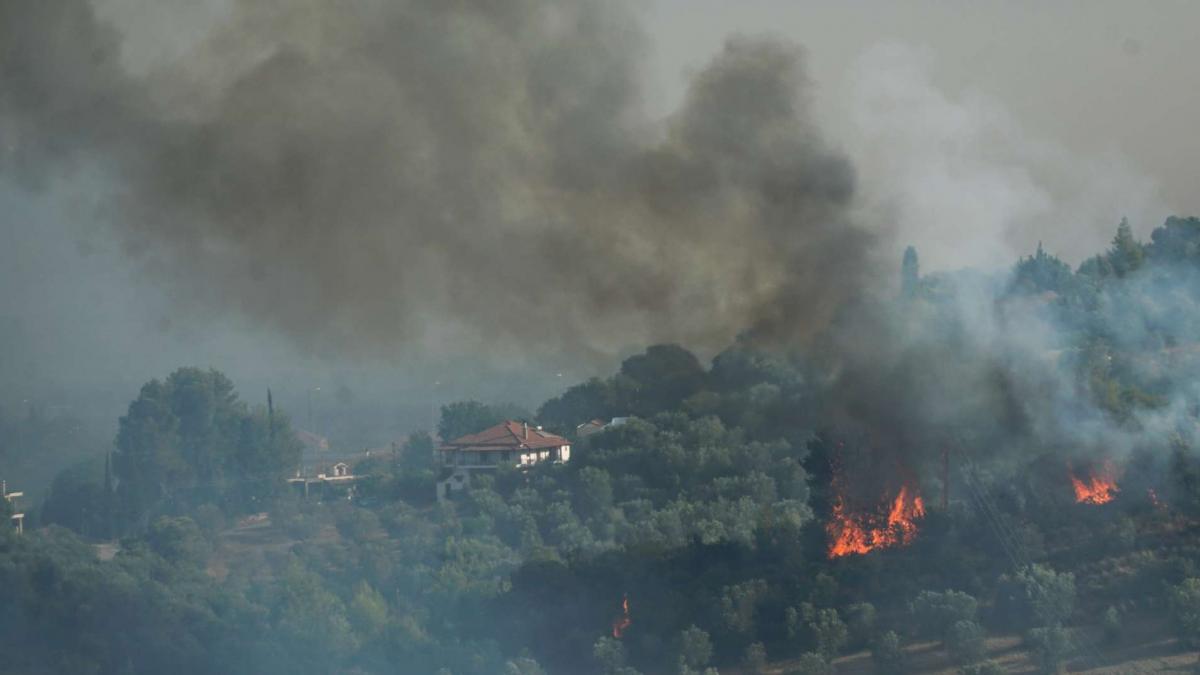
<point x="588" y="428"/>
<point x="336" y="480"/>
<point x="514" y="444"/>
<point x="596" y="426"/>
<point x="17" y="518"/>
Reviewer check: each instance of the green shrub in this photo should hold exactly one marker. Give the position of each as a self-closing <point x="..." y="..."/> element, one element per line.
<point x="934" y="613"/>
<point x="887" y="654"/>
<point x="965" y="642"/>
<point x="1050" y="646"/>
<point x="755" y="660"/>
<point x="811" y="663"/>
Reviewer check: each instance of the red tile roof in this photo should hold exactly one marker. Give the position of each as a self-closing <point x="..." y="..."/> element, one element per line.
<point x="508" y="435"/>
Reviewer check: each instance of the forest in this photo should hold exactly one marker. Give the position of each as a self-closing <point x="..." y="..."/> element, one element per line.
<point x="974" y="456"/>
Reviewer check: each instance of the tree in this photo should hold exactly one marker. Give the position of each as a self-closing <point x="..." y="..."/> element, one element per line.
<point x="189" y="438"/>
<point x="1126" y="254"/>
<point x="1048" y="596"/>
<point x="755" y="658"/>
<point x="609" y="654"/>
<point x="934" y="613"/>
<point x="965" y="642"/>
<point x="1040" y="273"/>
<point x="77" y="500"/>
<point x="829" y="632"/>
<point x="1051" y="645"/>
<point x="594" y="493"/>
<point x="823" y="590"/>
<point x="860" y="620"/>
<point x="665" y="375"/>
<point x="1177" y="240"/>
<point x="368" y="611"/>
<point x="461" y="418"/>
<point x="417" y="454"/>
<point x="811" y="663"/>
<point x="178" y="540"/>
<point x="739" y="605"/>
<point x="1110" y="621"/>
<point x="1185" y="611"/>
<point x="309" y="621"/>
<point x="695" y="648"/>
<point x="593" y="399"/>
<point x="886" y="653"/>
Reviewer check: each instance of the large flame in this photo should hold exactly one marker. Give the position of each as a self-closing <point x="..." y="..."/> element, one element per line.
<point x="852" y="534"/>
<point x="622" y="622"/>
<point x="1098" y="487"/>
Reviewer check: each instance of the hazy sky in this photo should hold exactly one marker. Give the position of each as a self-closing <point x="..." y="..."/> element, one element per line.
<point x="977" y="130"/>
<point x="1109" y="87"/>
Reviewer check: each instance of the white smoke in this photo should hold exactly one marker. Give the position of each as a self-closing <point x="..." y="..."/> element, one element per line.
<point x="965" y="182"/>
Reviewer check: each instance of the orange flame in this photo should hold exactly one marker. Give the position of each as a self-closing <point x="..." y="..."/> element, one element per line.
<point x="857" y="534"/>
<point x="1098" y="488"/>
<point x="621" y="623"/>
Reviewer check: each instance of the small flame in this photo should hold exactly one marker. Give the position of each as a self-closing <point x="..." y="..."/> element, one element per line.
<point x="1100" y="487"/>
<point x="621" y="623"/>
<point x="857" y="534"/>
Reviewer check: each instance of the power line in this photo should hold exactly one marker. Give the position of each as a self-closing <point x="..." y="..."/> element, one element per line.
<point x="1012" y="545"/>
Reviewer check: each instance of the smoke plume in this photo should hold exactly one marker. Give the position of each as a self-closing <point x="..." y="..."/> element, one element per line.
<point x="368" y="177"/>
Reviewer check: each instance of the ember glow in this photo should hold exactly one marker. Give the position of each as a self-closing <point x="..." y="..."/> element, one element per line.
<point x="856" y="534"/>
<point x="1098" y="487"/>
<point x="622" y="622"/>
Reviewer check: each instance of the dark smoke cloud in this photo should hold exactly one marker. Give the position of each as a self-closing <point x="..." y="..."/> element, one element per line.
<point x="373" y="177"/>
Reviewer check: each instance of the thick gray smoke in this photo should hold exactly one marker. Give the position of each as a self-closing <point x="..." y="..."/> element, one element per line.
<point x="370" y="176"/>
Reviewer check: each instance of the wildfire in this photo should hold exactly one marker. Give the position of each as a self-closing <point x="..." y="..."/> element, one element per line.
<point x="1100" y="487"/>
<point x="622" y="622"/>
<point x="853" y="534"/>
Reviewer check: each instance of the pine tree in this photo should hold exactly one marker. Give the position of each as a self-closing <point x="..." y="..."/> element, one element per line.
<point x="1126" y="254"/>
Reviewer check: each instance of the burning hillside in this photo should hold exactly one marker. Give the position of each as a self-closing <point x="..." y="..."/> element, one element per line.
<point x="623" y="621"/>
<point x="1097" y="486"/>
<point x="859" y="533"/>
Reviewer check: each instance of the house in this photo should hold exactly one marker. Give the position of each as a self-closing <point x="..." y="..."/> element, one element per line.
<point x="336" y="481"/>
<point x="596" y="426"/>
<point x="17" y="518"/>
<point x="510" y="443"/>
<point x="588" y="428"/>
